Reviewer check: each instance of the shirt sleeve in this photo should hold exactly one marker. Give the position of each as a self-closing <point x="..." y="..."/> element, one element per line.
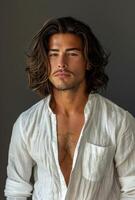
<point x="19" y="167"/>
<point x="125" y="158"/>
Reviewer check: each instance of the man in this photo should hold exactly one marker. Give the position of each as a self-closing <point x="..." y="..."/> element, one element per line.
<point x="80" y="145"/>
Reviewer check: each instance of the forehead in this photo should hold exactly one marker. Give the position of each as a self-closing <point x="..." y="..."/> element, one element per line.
<point x="65" y="39"/>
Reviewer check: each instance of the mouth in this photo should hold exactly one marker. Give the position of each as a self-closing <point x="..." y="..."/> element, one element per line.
<point x="62" y="74"/>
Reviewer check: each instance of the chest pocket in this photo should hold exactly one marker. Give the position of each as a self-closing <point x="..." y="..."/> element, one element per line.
<point x="96" y="159"/>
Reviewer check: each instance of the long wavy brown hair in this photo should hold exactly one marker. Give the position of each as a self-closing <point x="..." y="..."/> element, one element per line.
<point x="38" y="67"/>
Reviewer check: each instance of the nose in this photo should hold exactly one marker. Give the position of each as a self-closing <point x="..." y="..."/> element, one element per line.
<point x="62" y="64"/>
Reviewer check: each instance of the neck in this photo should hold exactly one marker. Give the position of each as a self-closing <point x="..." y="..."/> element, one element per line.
<point x="68" y="103"/>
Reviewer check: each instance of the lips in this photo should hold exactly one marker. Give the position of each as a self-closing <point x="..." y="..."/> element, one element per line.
<point x="61" y="74"/>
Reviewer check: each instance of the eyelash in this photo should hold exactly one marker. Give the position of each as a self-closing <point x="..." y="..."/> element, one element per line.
<point x="54" y="54"/>
<point x="73" y="54"/>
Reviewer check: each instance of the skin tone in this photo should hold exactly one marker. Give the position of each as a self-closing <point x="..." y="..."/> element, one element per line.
<point x="68" y="67"/>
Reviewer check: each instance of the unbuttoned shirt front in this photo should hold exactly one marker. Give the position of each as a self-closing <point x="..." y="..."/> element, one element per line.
<point x="103" y="165"/>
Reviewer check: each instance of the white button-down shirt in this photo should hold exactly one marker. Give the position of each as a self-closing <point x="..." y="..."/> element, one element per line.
<point x="103" y="164"/>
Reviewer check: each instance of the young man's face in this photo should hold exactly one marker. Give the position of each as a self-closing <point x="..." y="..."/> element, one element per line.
<point x="67" y="61"/>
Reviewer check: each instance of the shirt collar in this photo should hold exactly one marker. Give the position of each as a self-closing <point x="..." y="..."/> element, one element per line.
<point x="86" y="108"/>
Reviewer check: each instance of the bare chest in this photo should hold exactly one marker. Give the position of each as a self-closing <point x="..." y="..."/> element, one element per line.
<point x="68" y="132"/>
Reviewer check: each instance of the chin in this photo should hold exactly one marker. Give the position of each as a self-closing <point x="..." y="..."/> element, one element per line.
<point x="64" y="88"/>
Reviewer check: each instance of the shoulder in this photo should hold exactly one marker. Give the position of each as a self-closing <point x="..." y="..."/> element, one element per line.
<point x="114" y="114"/>
<point x="32" y="116"/>
<point x="108" y="106"/>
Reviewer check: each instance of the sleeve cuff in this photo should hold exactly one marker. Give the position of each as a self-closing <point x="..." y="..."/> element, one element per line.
<point x="17" y="190"/>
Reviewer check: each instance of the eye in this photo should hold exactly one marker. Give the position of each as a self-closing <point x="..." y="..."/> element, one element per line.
<point x="53" y="55"/>
<point x="73" y="54"/>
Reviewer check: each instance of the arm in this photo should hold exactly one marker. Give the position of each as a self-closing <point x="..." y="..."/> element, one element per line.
<point x="125" y="159"/>
<point x="19" y="166"/>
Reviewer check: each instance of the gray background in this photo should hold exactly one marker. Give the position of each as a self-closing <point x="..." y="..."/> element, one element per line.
<point x="111" y="21"/>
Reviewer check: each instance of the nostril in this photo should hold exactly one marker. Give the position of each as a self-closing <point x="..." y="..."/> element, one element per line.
<point x="62" y="66"/>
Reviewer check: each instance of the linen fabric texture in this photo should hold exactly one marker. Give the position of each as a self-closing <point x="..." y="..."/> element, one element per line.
<point x="104" y="159"/>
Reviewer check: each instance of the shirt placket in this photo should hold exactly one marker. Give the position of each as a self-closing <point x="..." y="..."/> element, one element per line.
<point x="64" y="188"/>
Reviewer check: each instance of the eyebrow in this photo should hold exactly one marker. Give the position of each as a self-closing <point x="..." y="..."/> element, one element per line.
<point x="69" y="49"/>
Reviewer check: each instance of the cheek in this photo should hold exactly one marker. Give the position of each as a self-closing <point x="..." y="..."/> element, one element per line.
<point x="79" y="66"/>
<point x="77" y="61"/>
<point x="53" y="65"/>
<point x="52" y="62"/>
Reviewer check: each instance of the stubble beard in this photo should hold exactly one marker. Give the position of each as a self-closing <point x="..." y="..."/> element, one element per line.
<point x="67" y="86"/>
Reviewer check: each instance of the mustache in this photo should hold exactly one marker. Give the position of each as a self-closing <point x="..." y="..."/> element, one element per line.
<point x="60" y="70"/>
